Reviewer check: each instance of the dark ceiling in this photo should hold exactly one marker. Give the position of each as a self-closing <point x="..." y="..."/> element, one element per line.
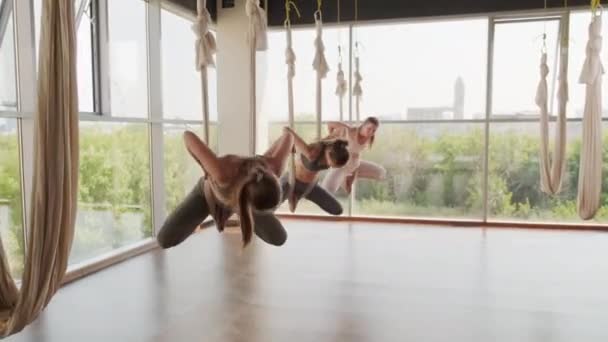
<point x="190" y="6"/>
<point x="388" y="9"/>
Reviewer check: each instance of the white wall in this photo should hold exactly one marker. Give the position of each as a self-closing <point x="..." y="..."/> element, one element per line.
<point x="232" y="80"/>
<point x="233" y="73"/>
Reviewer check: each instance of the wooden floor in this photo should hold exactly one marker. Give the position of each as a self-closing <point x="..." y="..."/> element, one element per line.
<point x="346" y="282"/>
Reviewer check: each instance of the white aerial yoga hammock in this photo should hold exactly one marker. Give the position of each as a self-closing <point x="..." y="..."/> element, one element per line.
<point x="357" y="89"/>
<point x="258" y="41"/>
<point x="552" y="167"/>
<point x="341" y="85"/>
<point x="290" y="60"/>
<point x="320" y="66"/>
<point x="205" y="49"/>
<point x="590" y="172"/>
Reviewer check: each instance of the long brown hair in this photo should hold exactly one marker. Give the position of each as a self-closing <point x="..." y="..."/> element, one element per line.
<point x="260" y="190"/>
<point x="374" y="121"/>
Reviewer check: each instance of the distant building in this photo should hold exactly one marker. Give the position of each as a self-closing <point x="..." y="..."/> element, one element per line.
<point x="429" y="113"/>
<point x="459" y="91"/>
<point x="454" y="112"/>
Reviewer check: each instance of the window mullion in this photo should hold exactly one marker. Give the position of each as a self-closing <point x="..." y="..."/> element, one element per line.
<point x="489" y="80"/>
<point x="26" y="97"/>
<point x="155" y="108"/>
<point x="102" y="67"/>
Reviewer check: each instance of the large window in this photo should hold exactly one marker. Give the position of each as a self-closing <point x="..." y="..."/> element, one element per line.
<point x="432" y="102"/>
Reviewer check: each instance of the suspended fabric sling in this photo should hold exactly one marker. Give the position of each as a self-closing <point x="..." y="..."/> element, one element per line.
<point x="341" y="84"/>
<point x="341" y="88"/>
<point x="357" y="89"/>
<point x="290" y="61"/>
<point x="205" y="47"/>
<point x="258" y="41"/>
<point x="590" y="172"/>
<point x="55" y="175"/>
<point x="321" y="67"/>
<point x="552" y="167"/>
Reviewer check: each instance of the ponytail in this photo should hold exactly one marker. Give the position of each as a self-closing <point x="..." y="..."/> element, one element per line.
<point x="245" y="215"/>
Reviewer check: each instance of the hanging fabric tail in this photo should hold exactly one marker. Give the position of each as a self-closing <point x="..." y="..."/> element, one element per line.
<point x="541" y="102"/>
<point x="341" y="88"/>
<point x="357" y="89"/>
<point x="558" y="167"/>
<point x="321" y="67"/>
<point x="258" y="41"/>
<point x="205" y="47"/>
<point x="590" y="172"/>
<point x="552" y="167"/>
<point x="290" y="60"/>
<point x="258" y="25"/>
<point x="55" y="175"/>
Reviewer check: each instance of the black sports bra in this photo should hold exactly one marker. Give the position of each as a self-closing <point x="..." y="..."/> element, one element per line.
<point x="316" y="164"/>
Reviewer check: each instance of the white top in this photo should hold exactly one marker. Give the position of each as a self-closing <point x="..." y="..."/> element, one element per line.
<point x="354" y="147"/>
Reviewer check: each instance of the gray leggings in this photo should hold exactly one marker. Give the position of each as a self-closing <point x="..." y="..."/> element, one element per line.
<point x="317" y="195"/>
<point x="191" y="212"/>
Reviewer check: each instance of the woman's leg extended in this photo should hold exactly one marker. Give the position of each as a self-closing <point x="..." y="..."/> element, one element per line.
<point x="268" y="228"/>
<point x="188" y="215"/>
<point x="325" y="200"/>
<point x="371" y="170"/>
<point x="334" y="179"/>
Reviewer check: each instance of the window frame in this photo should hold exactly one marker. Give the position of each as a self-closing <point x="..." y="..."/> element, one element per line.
<point x="26" y="69"/>
<point x="561" y="15"/>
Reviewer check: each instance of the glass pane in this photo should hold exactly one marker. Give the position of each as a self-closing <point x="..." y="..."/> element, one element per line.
<point x="8" y="84"/>
<point x="514" y="178"/>
<point x="84" y="67"/>
<point x="517" y="51"/>
<point x="128" y="58"/>
<point x="182" y="172"/>
<point x="11" y="216"/>
<point x="579" y="23"/>
<point x="114" y="207"/>
<point x="433" y="170"/>
<point x="418" y="71"/>
<point x="182" y="97"/>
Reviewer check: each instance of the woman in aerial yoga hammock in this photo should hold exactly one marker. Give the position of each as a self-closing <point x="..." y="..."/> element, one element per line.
<point x="358" y="138"/>
<point x="247" y="185"/>
<point x="310" y="160"/>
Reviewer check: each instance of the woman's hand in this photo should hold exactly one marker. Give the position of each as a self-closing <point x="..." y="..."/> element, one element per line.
<point x="288" y="129"/>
